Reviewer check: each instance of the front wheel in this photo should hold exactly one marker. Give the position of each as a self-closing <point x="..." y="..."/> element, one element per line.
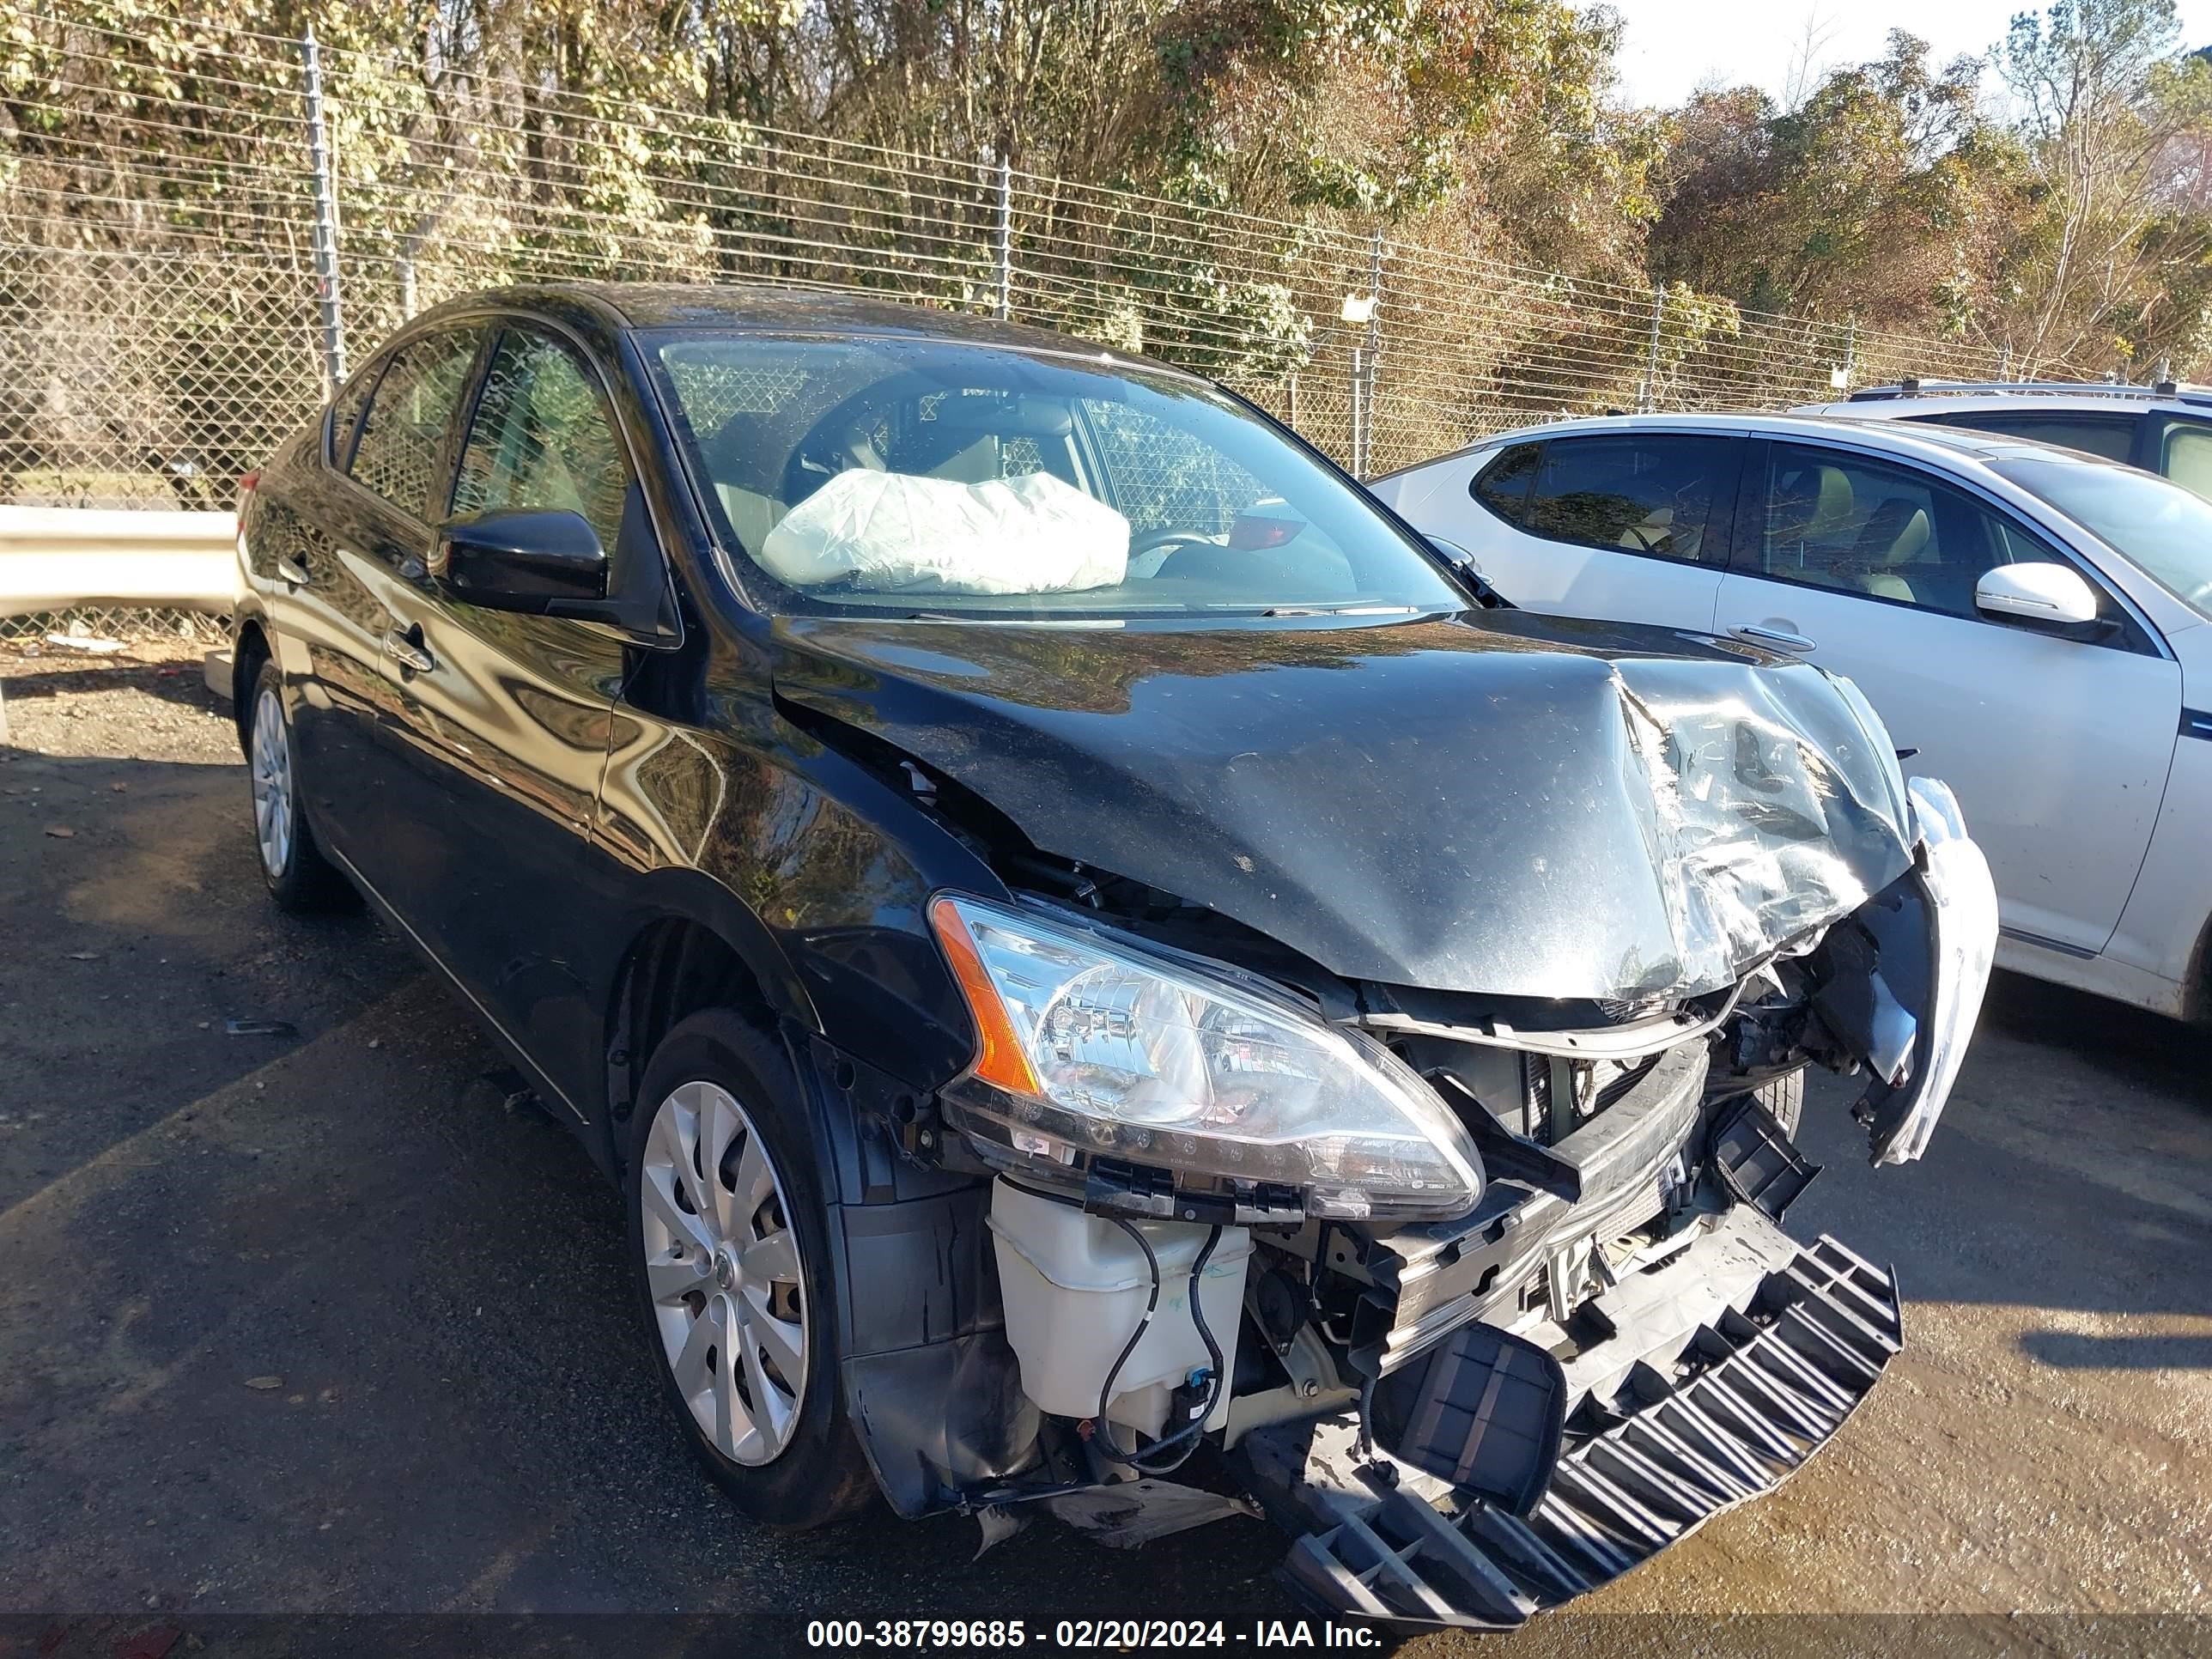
<point x="1784" y="1100"/>
<point x="729" y="1231"/>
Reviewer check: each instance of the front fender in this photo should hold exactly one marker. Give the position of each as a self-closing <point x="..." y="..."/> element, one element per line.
<point x="932" y="1390"/>
<point x="1906" y="987"/>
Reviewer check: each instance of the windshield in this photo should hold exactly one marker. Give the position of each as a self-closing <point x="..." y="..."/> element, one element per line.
<point x="871" y="474"/>
<point x="2161" y="527"/>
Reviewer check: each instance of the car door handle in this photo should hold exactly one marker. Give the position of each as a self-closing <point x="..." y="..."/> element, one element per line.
<point x="405" y="644"/>
<point x="292" y="570"/>
<point x="1779" y="639"/>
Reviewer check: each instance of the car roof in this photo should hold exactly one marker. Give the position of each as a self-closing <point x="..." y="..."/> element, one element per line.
<point x="2125" y="402"/>
<point x="1941" y="444"/>
<point x="768" y="310"/>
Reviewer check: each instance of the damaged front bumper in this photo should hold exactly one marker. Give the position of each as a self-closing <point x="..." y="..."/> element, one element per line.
<point x="1463" y="1416"/>
<point x="1725" y="1371"/>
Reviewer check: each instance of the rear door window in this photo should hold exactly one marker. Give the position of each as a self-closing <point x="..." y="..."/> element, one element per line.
<point x="399" y="455"/>
<point x="1661" y="495"/>
<point x="2110" y="436"/>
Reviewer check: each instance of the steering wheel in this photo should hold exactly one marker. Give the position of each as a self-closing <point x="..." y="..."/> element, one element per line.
<point x="1145" y="540"/>
<point x="1152" y="552"/>
<point x="825" y="451"/>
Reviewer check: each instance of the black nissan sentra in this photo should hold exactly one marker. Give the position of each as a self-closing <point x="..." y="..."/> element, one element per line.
<point x="1092" y="950"/>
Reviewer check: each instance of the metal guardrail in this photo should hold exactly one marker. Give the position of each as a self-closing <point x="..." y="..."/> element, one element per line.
<point x="67" y="558"/>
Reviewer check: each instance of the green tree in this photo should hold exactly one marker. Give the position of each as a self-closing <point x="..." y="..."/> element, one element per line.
<point x="2107" y="265"/>
<point x="1886" y="195"/>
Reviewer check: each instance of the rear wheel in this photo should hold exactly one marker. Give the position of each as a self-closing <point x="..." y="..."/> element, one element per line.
<point x="299" y="877"/>
<point x="729" y="1232"/>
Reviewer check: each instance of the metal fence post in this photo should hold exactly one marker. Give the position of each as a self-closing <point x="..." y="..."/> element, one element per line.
<point x="1850" y="354"/>
<point x="330" y="316"/>
<point x="2004" y="362"/>
<point x="1005" y="309"/>
<point x="1365" y="468"/>
<point x="1359" y="412"/>
<point x="1649" y="400"/>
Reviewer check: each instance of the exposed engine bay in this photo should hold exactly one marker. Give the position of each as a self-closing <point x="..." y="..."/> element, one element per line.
<point x="1478" y="1283"/>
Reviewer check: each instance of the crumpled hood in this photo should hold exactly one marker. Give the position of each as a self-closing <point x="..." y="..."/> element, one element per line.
<point x="1508" y="804"/>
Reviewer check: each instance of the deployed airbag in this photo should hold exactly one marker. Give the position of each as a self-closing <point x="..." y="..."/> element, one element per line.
<point x="893" y="532"/>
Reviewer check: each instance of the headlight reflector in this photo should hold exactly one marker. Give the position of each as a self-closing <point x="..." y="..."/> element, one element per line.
<point x="1110" y="1049"/>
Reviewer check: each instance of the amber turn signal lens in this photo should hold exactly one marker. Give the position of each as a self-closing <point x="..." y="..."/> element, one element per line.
<point x="999" y="1058"/>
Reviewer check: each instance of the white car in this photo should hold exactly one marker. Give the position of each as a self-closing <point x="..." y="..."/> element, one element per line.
<point x="2031" y="620"/>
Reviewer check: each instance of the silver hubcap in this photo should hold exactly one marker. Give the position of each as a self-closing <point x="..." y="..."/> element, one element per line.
<point x="271" y="767"/>
<point x="722" y="1263"/>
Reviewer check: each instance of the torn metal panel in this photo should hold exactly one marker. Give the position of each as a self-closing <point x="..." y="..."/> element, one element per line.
<point x="1505" y="804"/>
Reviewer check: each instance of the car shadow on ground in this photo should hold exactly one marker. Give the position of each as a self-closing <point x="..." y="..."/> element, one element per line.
<point x="360" y="1334"/>
<point x="2072" y="1173"/>
<point x="139" y="929"/>
<point x="322" y="1323"/>
<point x="180" y="683"/>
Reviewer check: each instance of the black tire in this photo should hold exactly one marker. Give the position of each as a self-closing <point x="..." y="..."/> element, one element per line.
<point x="1784" y="1099"/>
<point x="298" y="876"/>
<point x="820" y="1475"/>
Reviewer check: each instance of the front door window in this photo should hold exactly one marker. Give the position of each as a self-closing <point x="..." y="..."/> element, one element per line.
<point x="542" y="439"/>
<point x="1835" y="520"/>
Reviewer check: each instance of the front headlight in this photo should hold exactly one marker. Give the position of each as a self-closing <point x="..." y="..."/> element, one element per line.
<point x="1092" y="1047"/>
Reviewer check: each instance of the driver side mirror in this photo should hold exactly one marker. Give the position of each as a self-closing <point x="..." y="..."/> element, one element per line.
<point x="2054" y="597"/>
<point x="546" y="564"/>
<point x="1464" y="566"/>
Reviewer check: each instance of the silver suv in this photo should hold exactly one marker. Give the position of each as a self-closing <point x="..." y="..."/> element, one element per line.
<point x="2165" y="428"/>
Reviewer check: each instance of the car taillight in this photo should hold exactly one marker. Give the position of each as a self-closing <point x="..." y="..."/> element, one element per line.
<point x="247" y="485"/>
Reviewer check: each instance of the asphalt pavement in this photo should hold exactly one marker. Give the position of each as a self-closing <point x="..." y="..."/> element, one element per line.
<point x="318" y="1321"/>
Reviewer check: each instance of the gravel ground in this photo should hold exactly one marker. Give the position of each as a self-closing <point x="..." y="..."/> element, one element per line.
<point x="316" y="1324"/>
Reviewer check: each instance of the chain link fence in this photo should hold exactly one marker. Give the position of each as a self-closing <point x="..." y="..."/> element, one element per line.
<point x="190" y="242"/>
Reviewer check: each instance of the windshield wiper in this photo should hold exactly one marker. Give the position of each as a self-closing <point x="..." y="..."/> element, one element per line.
<point x="1026" y="620"/>
<point x="1340" y="610"/>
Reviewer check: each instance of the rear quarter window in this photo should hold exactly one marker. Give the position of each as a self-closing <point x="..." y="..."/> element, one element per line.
<point x="345" y="412"/>
<point x="1503" y="485"/>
